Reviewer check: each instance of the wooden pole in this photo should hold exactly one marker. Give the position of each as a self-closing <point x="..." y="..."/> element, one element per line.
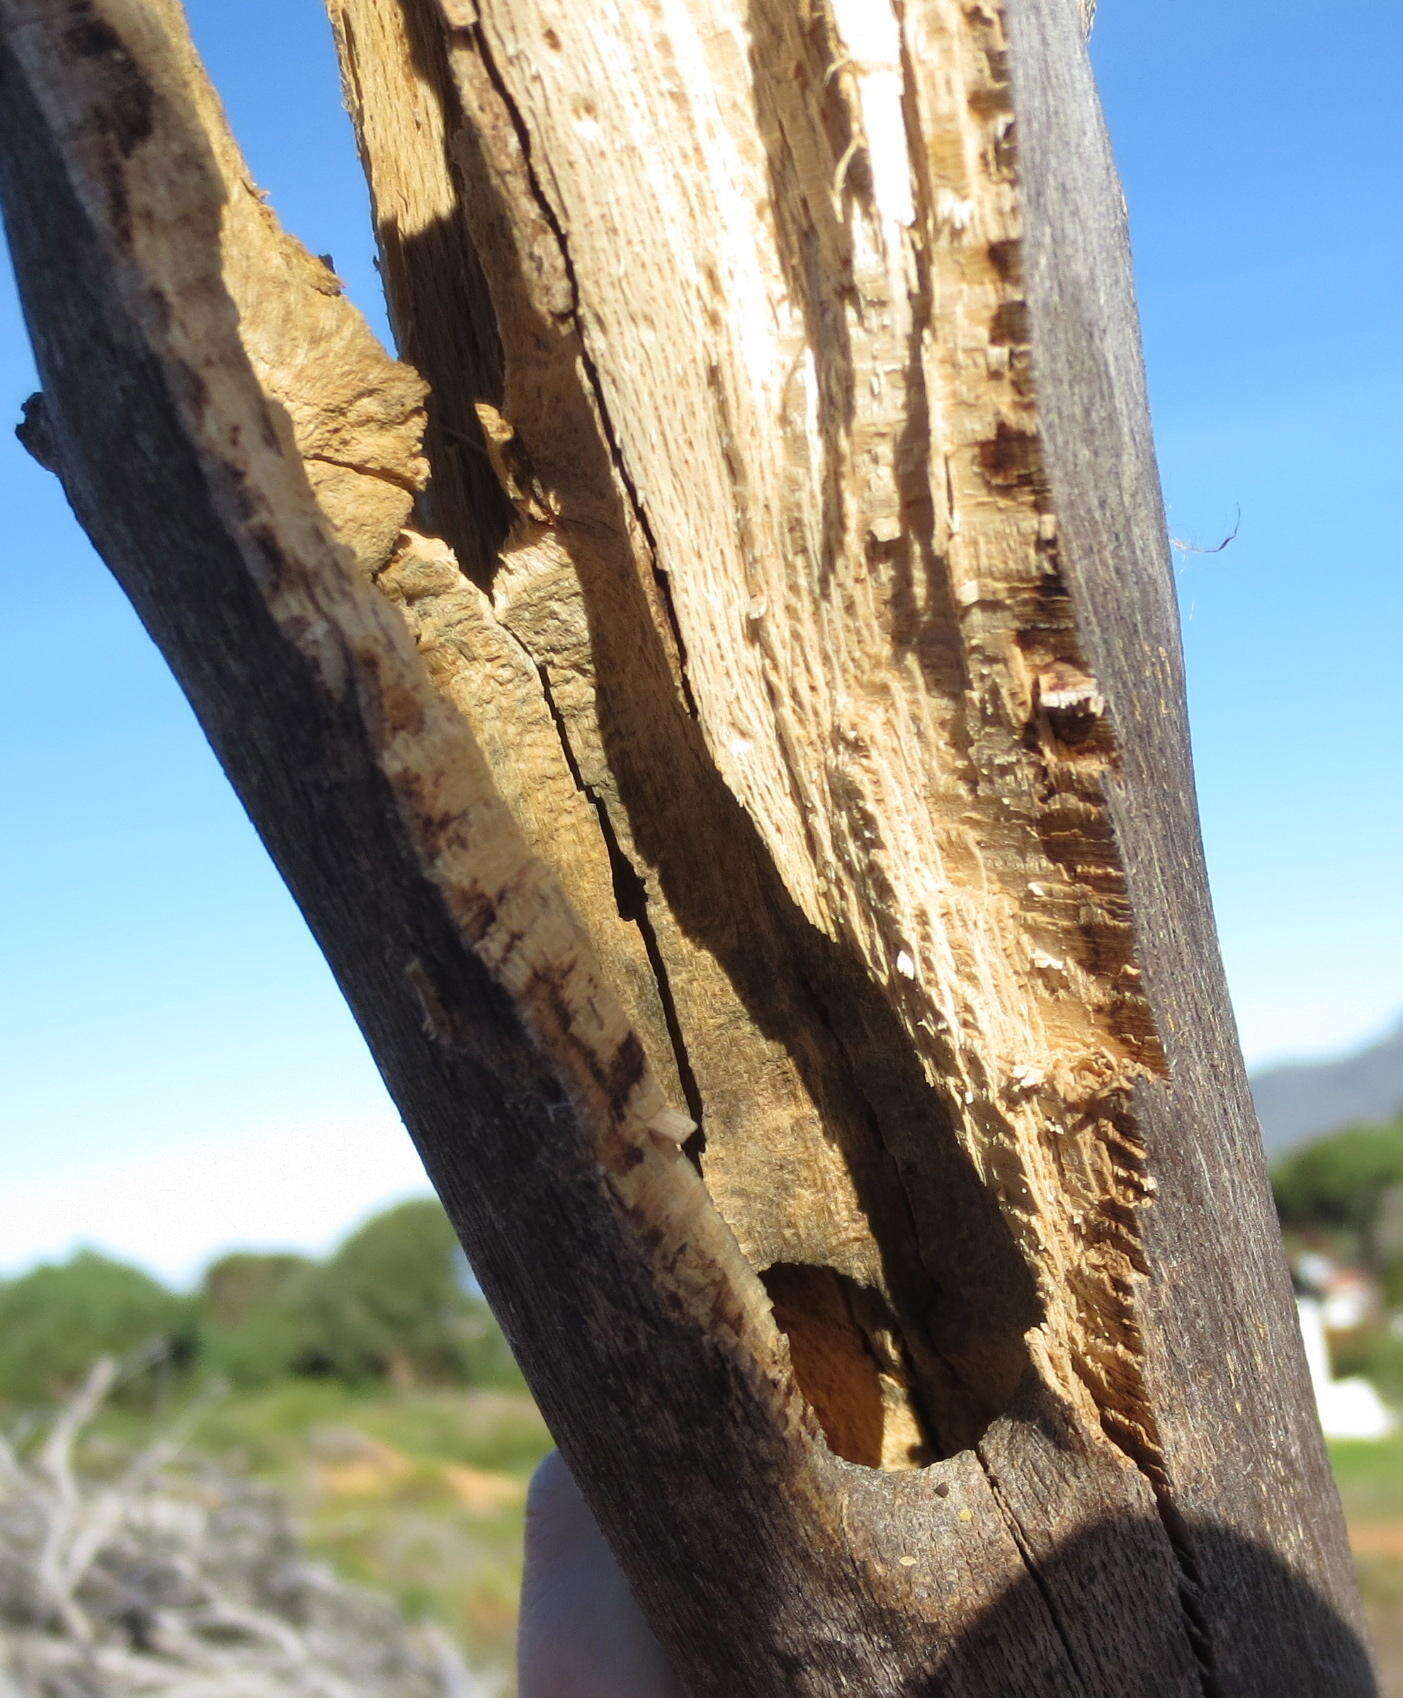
<point x="727" y="737"/>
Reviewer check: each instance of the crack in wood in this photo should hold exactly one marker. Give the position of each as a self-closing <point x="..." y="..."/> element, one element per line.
<point x="1045" y="1592"/>
<point x="631" y="898"/>
<point x="479" y="34"/>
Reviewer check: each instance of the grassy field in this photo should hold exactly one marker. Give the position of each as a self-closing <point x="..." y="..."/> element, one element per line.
<point x="1370" y="1477"/>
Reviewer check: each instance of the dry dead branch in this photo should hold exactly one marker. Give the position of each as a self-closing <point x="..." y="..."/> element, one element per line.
<point x="174" y="1581"/>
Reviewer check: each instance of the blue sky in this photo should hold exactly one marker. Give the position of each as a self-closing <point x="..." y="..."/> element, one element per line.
<point x="180" y="1073"/>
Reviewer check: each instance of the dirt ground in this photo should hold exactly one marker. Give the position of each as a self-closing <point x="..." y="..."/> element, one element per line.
<point x="1378" y="1547"/>
<point x="1386" y="1642"/>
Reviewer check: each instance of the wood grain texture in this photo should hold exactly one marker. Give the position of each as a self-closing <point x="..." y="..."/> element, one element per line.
<point x="727" y="738"/>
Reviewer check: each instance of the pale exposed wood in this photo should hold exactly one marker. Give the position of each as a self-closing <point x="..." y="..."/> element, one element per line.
<point x="731" y="434"/>
<point x="743" y="794"/>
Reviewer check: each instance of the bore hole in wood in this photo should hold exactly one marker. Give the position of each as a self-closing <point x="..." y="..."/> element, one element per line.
<point x="849" y="1363"/>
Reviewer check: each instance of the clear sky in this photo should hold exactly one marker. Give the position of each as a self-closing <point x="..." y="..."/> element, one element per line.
<point x="178" y="1071"/>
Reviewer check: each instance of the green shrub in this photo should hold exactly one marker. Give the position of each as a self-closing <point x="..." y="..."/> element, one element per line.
<point x="243" y="1281"/>
<point x="1340" y="1183"/>
<point x="56" y="1320"/>
<point x="394" y="1302"/>
<point x="1391" y="1283"/>
<point x="253" y="1326"/>
<point x="1378" y="1357"/>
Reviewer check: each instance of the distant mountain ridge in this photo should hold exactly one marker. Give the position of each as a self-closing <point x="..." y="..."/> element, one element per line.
<point x="1300" y="1100"/>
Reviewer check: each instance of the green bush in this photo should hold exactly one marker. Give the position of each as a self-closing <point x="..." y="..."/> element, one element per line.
<point x="243" y="1281"/>
<point x="56" y="1320"/>
<point x="254" y="1326"/>
<point x="1378" y="1356"/>
<point x="1340" y="1184"/>
<point x="392" y="1303"/>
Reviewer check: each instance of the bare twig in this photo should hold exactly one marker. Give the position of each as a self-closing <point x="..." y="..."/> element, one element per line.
<point x="183" y="1584"/>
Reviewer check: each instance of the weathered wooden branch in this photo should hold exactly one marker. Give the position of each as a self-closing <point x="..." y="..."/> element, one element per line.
<point x="737" y="773"/>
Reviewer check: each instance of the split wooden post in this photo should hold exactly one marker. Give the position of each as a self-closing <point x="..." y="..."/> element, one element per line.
<point x="727" y="736"/>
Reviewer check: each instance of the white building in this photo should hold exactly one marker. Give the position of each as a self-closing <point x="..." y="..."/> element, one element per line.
<point x="1349" y="1409"/>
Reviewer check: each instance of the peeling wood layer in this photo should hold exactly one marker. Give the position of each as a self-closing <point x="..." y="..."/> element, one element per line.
<point x="794" y="547"/>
